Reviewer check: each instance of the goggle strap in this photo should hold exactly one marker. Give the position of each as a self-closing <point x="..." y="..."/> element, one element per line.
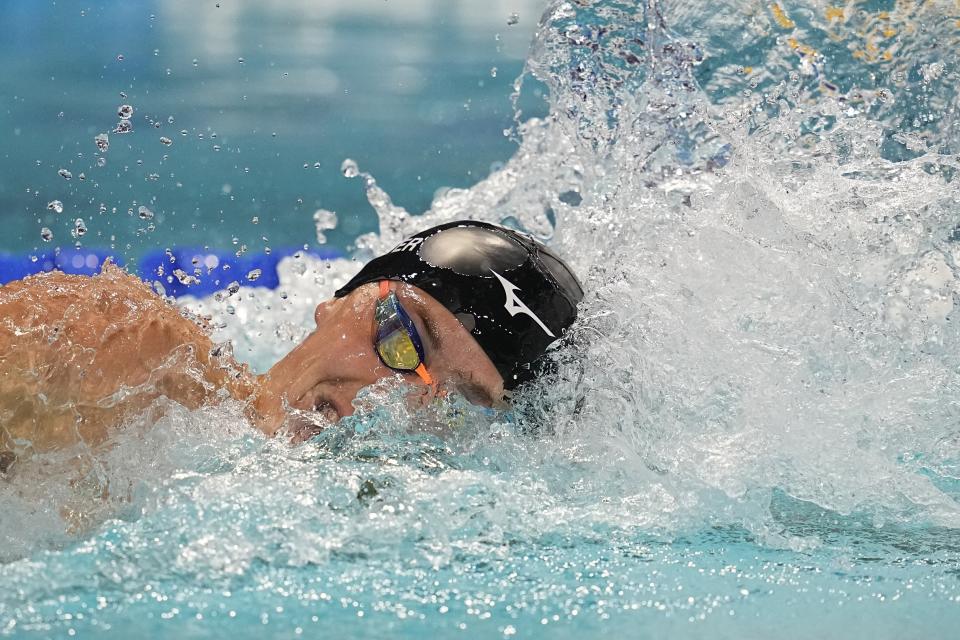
<point x="424" y="374"/>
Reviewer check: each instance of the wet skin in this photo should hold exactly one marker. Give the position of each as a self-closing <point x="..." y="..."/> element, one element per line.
<point x="325" y="372"/>
<point x="81" y="357"/>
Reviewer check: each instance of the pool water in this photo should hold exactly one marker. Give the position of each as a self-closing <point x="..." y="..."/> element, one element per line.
<point x="751" y="431"/>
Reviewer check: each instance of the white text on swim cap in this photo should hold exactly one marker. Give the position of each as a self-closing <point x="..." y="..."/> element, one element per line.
<point x="515" y="305"/>
<point x="407" y="245"/>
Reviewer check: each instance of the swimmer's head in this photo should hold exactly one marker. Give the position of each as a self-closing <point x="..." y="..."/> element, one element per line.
<point x="513" y="295"/>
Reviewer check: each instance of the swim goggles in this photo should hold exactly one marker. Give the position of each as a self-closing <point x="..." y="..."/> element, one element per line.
<point x="396" y="338"/>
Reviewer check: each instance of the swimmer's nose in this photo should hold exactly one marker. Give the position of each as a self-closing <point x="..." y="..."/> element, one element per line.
<point x="322" y="311"/>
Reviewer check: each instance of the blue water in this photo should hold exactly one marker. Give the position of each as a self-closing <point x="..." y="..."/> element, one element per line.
<point x="752" y="431"/>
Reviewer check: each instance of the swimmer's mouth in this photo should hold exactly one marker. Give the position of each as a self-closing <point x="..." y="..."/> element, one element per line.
<point x="316" y="401"/>
<point x="327" y="410"/>
<point x="310" y="415"/>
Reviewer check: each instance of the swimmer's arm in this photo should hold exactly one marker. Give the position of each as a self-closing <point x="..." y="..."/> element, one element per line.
<point x="80" y="355"/>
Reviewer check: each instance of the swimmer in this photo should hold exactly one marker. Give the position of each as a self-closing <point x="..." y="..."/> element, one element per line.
<point x="467" y="306"/>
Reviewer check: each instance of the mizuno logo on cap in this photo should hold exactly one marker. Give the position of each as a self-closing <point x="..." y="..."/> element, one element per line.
<point x="515" y="305"/>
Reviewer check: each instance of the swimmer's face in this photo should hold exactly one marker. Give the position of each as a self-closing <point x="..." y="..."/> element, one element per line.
<point x="325" y="372"/>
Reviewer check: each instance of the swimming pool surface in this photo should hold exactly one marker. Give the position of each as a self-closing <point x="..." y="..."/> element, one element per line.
<point x="753" y="432"/>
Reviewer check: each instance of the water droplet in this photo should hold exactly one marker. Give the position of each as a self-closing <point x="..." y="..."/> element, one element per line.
<point x="124" y="126"/>
<point x="119" y="57"/>
<point x="324" y="221"/>
<point x="55" y="205"/>
<point x="196" y="62"/>
<point x="316" y="165"/>
<point x="125" y="111"/>
<point x="241" y="60"/>
<point x="183" y="132"/>
<point x="66" y="175"/>
<point x="513" y="19"/>
<point x="233" y="287"/>
<point x="254" y="275"/>
<point x="103" y="142"/>
<point x="166" y="141"/>
<point x="185" y="278"/>
<point x="145" y="213"/>
<point x="350" y="168"/>
<point x="170" y="120"/>
<point x="82" y="176"/>
<point x="101" y="162"/>
<point x="46" y="234"/>
<point x="79" y="228"/>
<point x="255" y="220"/>
<point x="493" y="72"/>
<point x="216" y="147"/>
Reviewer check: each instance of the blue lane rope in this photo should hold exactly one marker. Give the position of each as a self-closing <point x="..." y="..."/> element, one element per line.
<point x="204" y="271"/>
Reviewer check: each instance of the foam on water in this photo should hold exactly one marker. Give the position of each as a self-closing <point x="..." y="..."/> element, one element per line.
<point x="757" y="411"/>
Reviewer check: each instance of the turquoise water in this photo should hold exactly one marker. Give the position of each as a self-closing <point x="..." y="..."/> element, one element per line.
<point x="407" y="89"/>
<point x="753" y="430"/>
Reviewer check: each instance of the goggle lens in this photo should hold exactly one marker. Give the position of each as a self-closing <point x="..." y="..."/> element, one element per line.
<point x="398" y="343"/>
<point x="397" y="350"/>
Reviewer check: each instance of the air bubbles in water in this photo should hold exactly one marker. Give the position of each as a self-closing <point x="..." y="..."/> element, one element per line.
<point x="324" y="221"/>
<point x="513" y="19"/>
<point x="46" y="234"/>
<point x="125" y="111"/>
<point x="55" y="206"/>
<point x="103" y="142"/>
<point x="254" y="275"/>
<point x="493" y="72"/>
<point x="350" y="168"/>
<point x="79" y="228"/>
<point x="124" y="126"/>
<point x="166" y="141"/>
<point x="145" y="213"/>
<point x="66" y="175"/>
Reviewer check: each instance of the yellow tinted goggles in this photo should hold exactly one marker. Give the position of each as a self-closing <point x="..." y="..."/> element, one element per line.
<point x="396" y="338"/>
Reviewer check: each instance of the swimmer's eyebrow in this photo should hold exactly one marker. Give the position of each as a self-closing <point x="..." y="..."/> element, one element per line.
<point x="419" y="312"/>
<point x="433" y="334"/>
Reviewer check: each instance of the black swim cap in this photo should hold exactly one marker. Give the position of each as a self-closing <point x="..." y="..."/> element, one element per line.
<point x="508" y="290"/>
